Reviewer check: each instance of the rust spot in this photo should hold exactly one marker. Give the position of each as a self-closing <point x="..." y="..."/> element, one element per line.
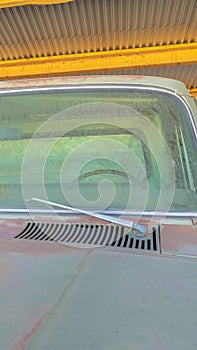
<point x="68" y="80"/>
<point x="25" y="339"/>
<point x="36" y="248"/>
<point x="11" y="227"/>
<point x="179" y="239"/>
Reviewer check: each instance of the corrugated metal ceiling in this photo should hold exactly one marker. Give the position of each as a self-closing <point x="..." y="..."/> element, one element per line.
<point x="187" y="74"/>
<point x="95" y="25"/>
<point x="92" y="25"/>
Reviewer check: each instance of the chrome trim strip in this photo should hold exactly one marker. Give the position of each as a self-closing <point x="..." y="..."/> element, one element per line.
<point x="138" y="213"/>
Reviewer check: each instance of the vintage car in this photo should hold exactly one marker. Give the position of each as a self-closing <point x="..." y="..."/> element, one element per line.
<point x="98" y="214"/>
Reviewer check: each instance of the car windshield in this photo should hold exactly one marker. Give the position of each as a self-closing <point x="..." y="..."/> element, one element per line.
<point x="98" y="148"/>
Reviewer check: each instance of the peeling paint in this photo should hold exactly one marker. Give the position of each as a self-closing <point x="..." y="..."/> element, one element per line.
<point x="91" y="79"/>
<point x="26" y="338"/>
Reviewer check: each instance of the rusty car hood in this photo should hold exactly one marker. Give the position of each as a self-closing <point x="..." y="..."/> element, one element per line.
<point x="59" y="297"/>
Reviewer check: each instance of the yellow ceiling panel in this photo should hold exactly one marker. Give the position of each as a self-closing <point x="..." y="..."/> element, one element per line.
<point x="193" y="92"/>
<point x="11" y="3"/>
<point x="158" y="56"/>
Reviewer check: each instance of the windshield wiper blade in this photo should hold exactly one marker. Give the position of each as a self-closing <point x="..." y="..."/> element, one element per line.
<point x="135" y="229"/>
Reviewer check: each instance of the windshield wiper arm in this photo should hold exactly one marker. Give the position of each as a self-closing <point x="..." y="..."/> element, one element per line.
<point x="136" y="229"/>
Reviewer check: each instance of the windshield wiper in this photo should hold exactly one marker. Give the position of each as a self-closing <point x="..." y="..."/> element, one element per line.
<point x="135" y="229"/>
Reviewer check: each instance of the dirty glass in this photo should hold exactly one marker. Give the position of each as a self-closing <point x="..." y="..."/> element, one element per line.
<point x="100" y="149"/>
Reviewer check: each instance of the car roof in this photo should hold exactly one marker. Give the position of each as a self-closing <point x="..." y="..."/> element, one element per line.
<point x="170" y="84"/>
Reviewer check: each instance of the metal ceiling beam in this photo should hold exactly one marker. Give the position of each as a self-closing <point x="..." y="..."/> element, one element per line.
<point x="11" y="3"/>
<point x="158" y="56"/>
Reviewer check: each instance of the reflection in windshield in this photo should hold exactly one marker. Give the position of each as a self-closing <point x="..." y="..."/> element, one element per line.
<point x="102" y="149"/>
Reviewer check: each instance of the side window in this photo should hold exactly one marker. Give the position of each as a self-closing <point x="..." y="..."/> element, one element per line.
<point x="183" y="164"/>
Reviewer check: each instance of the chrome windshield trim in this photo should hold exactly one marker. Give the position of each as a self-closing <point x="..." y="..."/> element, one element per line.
<point x="131" y="213"/>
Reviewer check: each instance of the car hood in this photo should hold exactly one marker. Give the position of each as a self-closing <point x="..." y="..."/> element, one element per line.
<point x="58" y="297"/>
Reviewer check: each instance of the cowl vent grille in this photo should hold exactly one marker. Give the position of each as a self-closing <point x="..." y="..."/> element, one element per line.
<point x="80" y="234"/>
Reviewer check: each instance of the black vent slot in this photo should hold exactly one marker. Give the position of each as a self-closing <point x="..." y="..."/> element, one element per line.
<point x="91" y="235"/>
